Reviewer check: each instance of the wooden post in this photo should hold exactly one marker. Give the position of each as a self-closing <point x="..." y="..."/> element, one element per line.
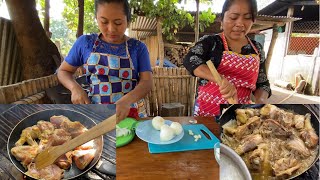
<point x="80" y="18"/>
<point x="287" y="37"/>
<point x="271" y="47"/>
<point x="47" y="17"/>
<point x="160" y="41"/>
<point x="196" y="38"/>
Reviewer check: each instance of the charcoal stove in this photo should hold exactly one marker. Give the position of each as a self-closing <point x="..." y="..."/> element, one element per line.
<point x="10" y="115"/>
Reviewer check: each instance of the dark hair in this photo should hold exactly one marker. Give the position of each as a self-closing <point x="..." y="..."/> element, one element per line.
<point x="252" y="4"/>
<point x="125" y="3"/>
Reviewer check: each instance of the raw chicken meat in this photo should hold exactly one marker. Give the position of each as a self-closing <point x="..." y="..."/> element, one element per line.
<point x="83" y="157"/>
<point x="51" y="172"/>
<point x="25" y="154"/>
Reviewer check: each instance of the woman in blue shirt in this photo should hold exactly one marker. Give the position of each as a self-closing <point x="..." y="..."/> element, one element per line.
<point x="118" y="67"/>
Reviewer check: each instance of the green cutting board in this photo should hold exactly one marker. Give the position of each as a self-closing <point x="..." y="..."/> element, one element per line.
<point x="131" y="124"/>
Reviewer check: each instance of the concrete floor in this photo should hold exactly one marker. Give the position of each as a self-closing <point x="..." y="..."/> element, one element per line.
<point x="278" y="94"/>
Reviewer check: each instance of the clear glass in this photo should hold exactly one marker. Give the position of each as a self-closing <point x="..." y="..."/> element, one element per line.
<point x="217" y="152"/>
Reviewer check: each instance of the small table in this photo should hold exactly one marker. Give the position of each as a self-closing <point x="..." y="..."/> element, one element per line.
<point x="135" y="162"/>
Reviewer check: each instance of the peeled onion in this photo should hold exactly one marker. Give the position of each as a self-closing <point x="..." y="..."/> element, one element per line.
<point x="157" y="122"/>
<point x="176" y="127"/>
<point x="166" y="133"/>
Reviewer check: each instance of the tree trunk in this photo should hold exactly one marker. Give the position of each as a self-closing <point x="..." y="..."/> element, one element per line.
<point x="46" y="23"/>
<point x="38" y="52"/>
<point x="80" y="19"/>
<point x="160" y="41"/>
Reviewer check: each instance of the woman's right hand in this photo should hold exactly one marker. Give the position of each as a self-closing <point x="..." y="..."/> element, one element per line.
<point x="228" y="90"/>
<point x="79" y="96"/>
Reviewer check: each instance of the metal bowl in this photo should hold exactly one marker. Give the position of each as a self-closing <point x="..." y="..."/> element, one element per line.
<point x="231" y="165"/>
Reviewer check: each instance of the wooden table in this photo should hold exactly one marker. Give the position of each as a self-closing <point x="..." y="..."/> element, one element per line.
<point x="135" y="162"/>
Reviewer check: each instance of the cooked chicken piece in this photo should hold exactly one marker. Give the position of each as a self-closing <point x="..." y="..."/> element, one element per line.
<point x="246" y="129"/>
<point x="308" y="135"/>
<point x="250" y="112"/>
<point x="57" y="120"/>
<point x="46" y="129"/>
<point x="28" y="135"/>
<point x="249" y="143"/>
<point x="51" y="172"/>
<point x="241" y="116"/>
<point x="269" y="111"/>
<point x="286" y="119"/>
<point x="60" y="136"/>
<point x="74" y="128"/>
<point x="86" y="146"/>
<point x="83" y="157"/>
<point x="256" y="159"/>
<point x="285" y="166"/>
<point x="64" y="161"/>
<point x="310" y="138"/>
<point x="25" y="154"/>
<point x="297" y="145"/>
<point x="272" y="128"/>
<point x="298" y="121"/>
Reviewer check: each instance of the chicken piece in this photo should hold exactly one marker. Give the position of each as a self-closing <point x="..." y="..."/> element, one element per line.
<point x="272" y="128"/>
<point x="246" y="129"/>
<point x="286" y="119"/>
<point x="249" y="143"/>
<point x="74" y="128"/>
<point x="285" y="166"/>
<point x="25" y="154"/>
<point x="86" y="146"/>
<point x="83" y="157"/>
<point x="64" y="161"/>
<point x="256" y="159"/>
<point x="57" y="120"/>
<point x="297" y="145"/>
<point x="308" y="135"/>
<point x="28" y="135"/>
<point x="60" y="136"/>
<point x="298" y="121"/>
<point x="46" y="129"/>
<point x="241" y="116"/>
<point x="51" y="172"/>
<point x="269" y="111"/>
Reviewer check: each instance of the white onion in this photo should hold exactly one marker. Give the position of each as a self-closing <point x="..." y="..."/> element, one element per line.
<point x="166" y="133"/>
<point x="157" y="122"/>
<point x="176" y="127"/>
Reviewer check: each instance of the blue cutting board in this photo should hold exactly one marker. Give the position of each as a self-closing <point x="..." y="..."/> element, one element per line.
<point x="187" y="143"/>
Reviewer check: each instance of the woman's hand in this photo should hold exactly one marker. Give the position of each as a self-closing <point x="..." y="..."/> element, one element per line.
<point x="228" y="90"/>
<point x="261" y="96"/>
<point x="122" y="109"/>
<point x="79" y="96"/>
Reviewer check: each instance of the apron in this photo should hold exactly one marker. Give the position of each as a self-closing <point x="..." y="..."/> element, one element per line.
<point x="240" y="70"/>
<point x="110" y="77"/>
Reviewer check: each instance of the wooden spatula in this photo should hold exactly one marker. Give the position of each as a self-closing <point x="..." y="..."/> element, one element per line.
<point x="218" y="79"/>
<point x="49" y="155"/>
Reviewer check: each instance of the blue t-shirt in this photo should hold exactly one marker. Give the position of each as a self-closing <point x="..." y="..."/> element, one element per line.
<point x="82" y="48"/>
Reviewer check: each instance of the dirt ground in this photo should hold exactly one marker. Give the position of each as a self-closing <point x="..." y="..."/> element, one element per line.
<point x="279" y="94"/>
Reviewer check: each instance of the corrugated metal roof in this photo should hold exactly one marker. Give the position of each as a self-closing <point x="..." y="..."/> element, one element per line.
<point x="144" y="27"/>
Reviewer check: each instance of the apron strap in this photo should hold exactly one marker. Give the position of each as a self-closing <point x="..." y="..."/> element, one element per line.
<point x="225" y="44"/>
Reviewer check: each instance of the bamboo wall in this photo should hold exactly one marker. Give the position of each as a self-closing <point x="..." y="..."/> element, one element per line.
<point x="27" y="92"/>
<point x="171" y="85"/>
<point x="153" y="48"/>
<point x="10" y="67"/>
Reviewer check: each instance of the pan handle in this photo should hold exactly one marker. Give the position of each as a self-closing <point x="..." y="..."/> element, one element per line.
<point x="106" y="167"/>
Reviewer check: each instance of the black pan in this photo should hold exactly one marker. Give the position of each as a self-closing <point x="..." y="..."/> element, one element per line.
<point x="230" y="114"/>
<point x="32" y="119"/>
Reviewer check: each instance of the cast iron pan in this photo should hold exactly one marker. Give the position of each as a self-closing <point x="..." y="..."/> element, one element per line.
<point x="32" y="119"/>
<point x="230" y="114"/>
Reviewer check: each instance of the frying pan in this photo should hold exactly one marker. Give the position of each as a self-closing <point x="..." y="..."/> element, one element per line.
<point x="230" y="114"/>
<point x="32" y="119"/>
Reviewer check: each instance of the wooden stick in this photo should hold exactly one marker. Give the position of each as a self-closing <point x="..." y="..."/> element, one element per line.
<point x="218" y="79"/>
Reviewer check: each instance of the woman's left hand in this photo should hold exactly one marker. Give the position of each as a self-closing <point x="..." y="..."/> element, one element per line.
<point x="122" y="110"/>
